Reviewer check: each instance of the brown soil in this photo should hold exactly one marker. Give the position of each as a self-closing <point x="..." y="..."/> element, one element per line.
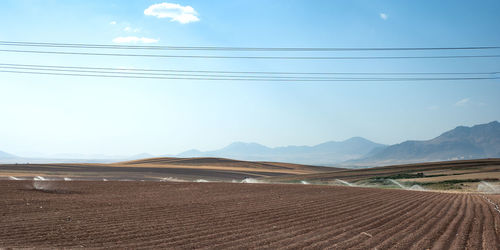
<point x="184" y="168"/>
<point x="430" y="168"/>
<point x="223" y="215"/>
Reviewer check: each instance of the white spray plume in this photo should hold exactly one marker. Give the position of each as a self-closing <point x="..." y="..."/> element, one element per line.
<point x="252" y="180"/>
<point x="171" y="179"/>
<point x="486" y="187"/>
<point x="344" y="182"/>
<point x="201" y="180"/>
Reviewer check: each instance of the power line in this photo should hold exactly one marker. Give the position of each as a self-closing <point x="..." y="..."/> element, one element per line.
<point x="225" y="74"/>
<point x="256" y="72"/>
<point x="254" y="57"/>
<point x="167" y="74"/>
<point x="290" y="79"/>
<point x="211" y="48"/>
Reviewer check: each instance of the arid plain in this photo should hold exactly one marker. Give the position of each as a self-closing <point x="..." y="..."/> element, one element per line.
<point x="158" y="203"/>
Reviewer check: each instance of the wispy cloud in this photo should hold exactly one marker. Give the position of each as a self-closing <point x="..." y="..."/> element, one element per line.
<point x="130" y="29"/>
<point x="134" y="39"/>
<point x="175" y="12"/>
<point x="383" y="16"/>
<point x="463" y="102"/>
<point x="112" y="22"/>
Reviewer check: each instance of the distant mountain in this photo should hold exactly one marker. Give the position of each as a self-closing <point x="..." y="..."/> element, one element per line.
<point x="140" y="156"/>
<point x="6" y="158"/>
<point x="4" y="155"/>
<point x="327" y="153"/>
<point x="480" y="141"/>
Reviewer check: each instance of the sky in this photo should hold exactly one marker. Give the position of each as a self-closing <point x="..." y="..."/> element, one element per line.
<point x="48" y="115"/>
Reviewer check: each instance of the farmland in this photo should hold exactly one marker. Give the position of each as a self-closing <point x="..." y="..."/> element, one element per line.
<point x="190" y="169"/>
<point x="225" y="215"/>
<point x="461" y="176"/>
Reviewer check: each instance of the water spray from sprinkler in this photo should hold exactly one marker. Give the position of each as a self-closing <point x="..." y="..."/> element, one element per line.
<point x="252" y="180"/>
<point x="486" y="187"/>
<point x="414" y="187"/>
<point x="344" y="182"/>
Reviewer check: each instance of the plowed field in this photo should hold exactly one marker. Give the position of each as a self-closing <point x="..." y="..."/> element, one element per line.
<point x="225" y="215"/>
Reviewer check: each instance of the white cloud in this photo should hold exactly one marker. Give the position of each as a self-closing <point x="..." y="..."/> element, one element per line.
<point x="113" y="23"/>
<point x="383" y="16"/>
<point x="462" y="102"/>
<point x="134" y="39"/>
<point x="176" y="12"/>
<point x="130" y="29"/>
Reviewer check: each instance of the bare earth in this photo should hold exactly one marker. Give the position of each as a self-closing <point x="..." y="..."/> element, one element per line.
<point x="224" y="215"/>
<point x="455" y="168"/>
<point x="214" y="169"/>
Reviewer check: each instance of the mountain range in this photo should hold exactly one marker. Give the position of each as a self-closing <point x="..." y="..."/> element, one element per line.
<point x="480" y="141"/>
<point x="4" y="155"/>
<point x="322" y="154"/>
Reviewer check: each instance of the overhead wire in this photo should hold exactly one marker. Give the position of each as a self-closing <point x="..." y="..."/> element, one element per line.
<point x="240" y="78"/>
<point x="229" y="48"/>
<point x="250" y="74"/>
<point x="253" y="57"/>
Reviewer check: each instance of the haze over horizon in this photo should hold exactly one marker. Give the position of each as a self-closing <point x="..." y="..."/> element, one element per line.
<point x="50" y="115"/>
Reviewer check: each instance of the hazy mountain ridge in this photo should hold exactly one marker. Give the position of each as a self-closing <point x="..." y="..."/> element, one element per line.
<point x="479" y="141"/>
<point x="476" y="142"/>
<point x="322" y="154"/>
<point x="4" y="155"/>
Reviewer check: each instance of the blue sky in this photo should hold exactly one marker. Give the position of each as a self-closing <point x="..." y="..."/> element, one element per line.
<point x="61" y="114"/>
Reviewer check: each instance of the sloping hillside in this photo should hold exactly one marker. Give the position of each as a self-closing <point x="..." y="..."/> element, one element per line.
<point x="461" y="143"/>
<point x="327" y="153"/>
<point x="458" y="175"/>
<point x="4" y="155"/>
<point x="225" y="164"/>
<point x="189" y="169"/>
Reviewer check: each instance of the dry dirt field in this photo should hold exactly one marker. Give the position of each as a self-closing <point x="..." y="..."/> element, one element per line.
<point x="429" y="169"/>
<point x="223" y="215"/>
<point x="190" y="169"/>
<point x="459" y="176"/>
